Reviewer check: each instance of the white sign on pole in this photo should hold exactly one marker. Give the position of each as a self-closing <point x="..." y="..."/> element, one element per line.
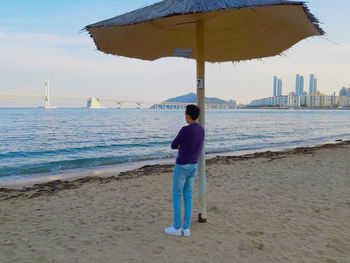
<point x="200" y="83"/>
<point x="182" y="52"/>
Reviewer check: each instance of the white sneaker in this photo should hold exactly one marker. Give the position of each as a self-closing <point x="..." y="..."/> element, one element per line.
<point x="173" y="231"/>
<point x="186" y="232"/>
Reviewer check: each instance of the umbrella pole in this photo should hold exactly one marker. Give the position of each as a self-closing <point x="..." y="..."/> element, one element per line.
<point x="200" y="31"/>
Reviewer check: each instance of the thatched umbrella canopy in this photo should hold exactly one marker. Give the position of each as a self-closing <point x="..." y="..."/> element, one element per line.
<point x="206" y="30"/>
<point x="234" y="29"/>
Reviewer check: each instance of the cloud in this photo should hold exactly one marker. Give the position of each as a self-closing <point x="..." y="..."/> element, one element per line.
<point x="45" y="51"/>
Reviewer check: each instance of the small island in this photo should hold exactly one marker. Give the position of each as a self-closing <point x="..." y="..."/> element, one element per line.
<point x="180" y="102"/>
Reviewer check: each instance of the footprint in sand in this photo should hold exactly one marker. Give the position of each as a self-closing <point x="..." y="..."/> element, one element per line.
<point x="245" y="245"/>
<point x="8" y="253"/>
<point x="258" y="244"/>
<point x="330" y="260"/>
<point x="72" y="250"/>
<point x="255" y="233"/>
<point x="136" y="205"/>
<point x="86" y="242"/>
<point x="158" y="250"/>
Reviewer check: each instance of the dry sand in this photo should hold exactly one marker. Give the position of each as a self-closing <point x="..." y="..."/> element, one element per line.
<point x="270" y="207"/>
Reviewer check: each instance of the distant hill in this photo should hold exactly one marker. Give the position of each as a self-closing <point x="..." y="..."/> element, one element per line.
<point x="192" y="98"/>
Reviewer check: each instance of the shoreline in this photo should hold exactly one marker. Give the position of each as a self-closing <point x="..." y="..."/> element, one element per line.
<point x="36" y="189"/>
<point x="114" y="170"/>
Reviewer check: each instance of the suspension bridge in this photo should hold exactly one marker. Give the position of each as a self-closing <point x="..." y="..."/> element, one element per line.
<point x="41" y="90"/>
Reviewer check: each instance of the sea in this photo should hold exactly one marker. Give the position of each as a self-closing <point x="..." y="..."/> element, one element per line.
<point x="37" y="142"/>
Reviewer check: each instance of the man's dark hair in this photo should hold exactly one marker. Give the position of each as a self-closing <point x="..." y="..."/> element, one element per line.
<point x="193" y="111"/>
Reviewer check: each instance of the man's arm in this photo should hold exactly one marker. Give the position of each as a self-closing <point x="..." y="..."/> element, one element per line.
<point x="178" y="140"/>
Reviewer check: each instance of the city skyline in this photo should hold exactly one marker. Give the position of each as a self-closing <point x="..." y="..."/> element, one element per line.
<point x="277" y="92"/>
<point x="41" y="40"/>
<point x="277" y="86"/>
<point x="302" y="99"/>
<point x="300" y="86"/>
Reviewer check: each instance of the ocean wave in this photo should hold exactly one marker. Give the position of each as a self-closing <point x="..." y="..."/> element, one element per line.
<point x="56" y="166"/>
<point x="63" y="151"/>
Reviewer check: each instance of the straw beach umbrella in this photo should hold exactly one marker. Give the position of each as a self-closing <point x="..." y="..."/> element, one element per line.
<point x="207" y="31"/>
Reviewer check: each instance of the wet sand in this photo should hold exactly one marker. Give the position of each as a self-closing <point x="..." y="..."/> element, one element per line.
<point x="289" y="206"/>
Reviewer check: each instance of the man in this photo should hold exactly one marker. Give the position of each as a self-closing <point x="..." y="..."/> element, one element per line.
<point x="189" y="142"/>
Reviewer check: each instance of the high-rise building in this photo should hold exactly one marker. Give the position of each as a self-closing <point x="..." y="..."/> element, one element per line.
<point x="279" y="88"/>
<point x="299" y="85"/>
<point x="312" y="85"/>
<point x="315" y="86"/>
<point x="275" y="83"/>
<point x="301" y="92"/>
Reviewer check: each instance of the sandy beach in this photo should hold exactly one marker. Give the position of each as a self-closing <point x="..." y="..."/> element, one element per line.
<point x="290" y="206"/>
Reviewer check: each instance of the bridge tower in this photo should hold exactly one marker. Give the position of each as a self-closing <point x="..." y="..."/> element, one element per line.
<point x="47" y="96"/>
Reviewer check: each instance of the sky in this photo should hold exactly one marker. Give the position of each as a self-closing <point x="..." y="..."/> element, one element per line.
<point x="41" y="39"/>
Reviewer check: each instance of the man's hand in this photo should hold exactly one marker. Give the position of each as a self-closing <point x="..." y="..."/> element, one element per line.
<point x="178" y="147"/>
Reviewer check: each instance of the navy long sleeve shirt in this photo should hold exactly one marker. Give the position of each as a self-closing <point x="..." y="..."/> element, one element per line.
<point x="191" y="139"/>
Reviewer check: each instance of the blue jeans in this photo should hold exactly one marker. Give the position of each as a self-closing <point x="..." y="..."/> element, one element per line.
<point x="183" y="179"/>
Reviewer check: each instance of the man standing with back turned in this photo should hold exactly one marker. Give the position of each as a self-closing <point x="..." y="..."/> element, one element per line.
<point x="189" y="142"/>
